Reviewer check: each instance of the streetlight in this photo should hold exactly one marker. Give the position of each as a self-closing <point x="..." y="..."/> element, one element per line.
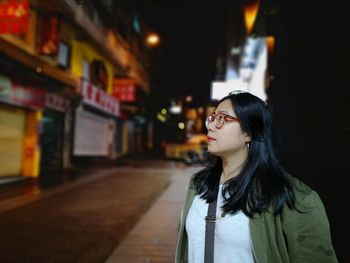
<point x="152" y="39"/>
<point x="189" y="98"/>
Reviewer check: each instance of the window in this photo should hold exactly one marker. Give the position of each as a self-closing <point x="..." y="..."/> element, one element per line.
<point x="63" y="56"/>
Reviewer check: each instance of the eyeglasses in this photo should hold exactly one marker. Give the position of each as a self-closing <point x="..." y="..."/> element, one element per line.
<point x="219" y="119"/>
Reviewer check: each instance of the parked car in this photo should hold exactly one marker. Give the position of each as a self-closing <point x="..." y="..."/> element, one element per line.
<point x="193" y="151"/>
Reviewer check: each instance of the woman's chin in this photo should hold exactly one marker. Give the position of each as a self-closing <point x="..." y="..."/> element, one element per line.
<point x="213" y="151"/>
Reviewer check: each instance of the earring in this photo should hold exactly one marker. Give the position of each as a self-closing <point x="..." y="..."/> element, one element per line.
<point x="248" y="145"/>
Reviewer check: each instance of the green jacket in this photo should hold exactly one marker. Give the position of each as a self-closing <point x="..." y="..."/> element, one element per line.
<point x="290" y="237"/>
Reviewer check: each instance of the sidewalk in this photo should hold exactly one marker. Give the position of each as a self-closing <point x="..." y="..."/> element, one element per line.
<point x="154" y="237"/>
<point x="127" y="209"/>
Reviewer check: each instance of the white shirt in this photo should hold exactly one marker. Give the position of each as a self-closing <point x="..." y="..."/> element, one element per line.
<point x="232" y="235"/>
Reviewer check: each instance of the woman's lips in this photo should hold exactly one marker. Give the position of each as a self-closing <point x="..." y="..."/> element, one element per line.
<point x="211" y="139"/>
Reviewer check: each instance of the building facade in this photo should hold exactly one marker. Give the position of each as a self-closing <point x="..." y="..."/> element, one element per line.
<point x="59" y="101"/>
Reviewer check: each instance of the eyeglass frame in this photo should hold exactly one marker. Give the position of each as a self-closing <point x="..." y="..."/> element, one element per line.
<point x="226" y="118"/>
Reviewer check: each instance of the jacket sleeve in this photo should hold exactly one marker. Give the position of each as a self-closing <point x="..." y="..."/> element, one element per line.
<point x="307" y="232"/>
<point x="181" y="246"/>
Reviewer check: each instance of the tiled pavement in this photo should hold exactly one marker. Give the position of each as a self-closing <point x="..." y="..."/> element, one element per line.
<point x="153" y="239"/>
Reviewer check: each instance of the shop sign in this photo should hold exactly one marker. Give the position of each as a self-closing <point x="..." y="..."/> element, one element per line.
<point x="14" y="16"/>
<point x="56" y="102"/>
<point x="49" y="35"/>
<point x="99" y="99"/>
<point x="21" y="95"/>
<point x="124" y="89"/>
<point x="28" y="96"/>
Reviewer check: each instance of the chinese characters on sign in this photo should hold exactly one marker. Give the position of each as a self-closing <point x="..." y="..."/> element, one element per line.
<point x="99" y="99"/>
<point x="14" y="16"/>
<point x="32" y="97"/>
<point x="49" y="35"/>
<point x="56" y="102"/>
<point x="124" y="89"/>
<point x="28" y="96"/>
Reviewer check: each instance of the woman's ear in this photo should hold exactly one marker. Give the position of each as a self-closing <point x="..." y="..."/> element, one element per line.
<point x="248" y="138"/>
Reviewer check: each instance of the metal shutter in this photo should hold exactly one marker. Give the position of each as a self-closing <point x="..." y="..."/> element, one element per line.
<point x="12" y="123"/>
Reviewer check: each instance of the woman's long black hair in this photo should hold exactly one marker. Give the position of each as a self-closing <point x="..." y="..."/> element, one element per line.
<point x="262" y="181"/>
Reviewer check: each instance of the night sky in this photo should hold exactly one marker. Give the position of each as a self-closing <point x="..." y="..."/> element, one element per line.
<point x="184" y="63"/>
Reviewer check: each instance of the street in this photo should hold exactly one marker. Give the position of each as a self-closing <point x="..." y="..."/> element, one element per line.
<point x="116" y="214"/>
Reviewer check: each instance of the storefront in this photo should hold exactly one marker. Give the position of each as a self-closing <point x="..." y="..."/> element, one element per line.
<point x="124" y="135"/>
<point x="51" y="140"/>
<point x="91" y="134"/>
<point x="33" y="128"/>
<point x="95" y="124"/>
<point x="128" y="138"/>
<point x="52" y="132"/>
<point x="125" y="91"/>
<point x="20" y="115"/>
<point x="118" y="137"/>
<point x="12" y="131"/>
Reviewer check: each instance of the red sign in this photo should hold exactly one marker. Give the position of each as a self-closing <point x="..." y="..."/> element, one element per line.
<point x="14" y="16"/>
<point x="49" y="35"/>
<point x="56" y="102"/>
<point x="99" y="99"/>
<point x="124" y="89"/>
<point x="28" y="96"/>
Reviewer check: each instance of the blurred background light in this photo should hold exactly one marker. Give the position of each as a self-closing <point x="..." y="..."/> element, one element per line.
<point x="175" y="109"/>
<point x="152" y="39"/>
<point x="250" y="13"/>
<point x="181" y="125"/>
<point x="189" y="98"/>
<point x="161" y="118"/>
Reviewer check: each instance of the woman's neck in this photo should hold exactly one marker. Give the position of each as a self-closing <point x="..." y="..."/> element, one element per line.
<point x="231" y="167"/>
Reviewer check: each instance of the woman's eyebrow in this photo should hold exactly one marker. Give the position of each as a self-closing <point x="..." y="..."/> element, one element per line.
<point x="222" y="111"/>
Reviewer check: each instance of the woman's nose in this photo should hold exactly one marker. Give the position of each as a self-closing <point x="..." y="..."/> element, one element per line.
<point x="211" y="126"/>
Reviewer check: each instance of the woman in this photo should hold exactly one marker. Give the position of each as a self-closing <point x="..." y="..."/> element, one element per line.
<point x="263" y="213"/>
